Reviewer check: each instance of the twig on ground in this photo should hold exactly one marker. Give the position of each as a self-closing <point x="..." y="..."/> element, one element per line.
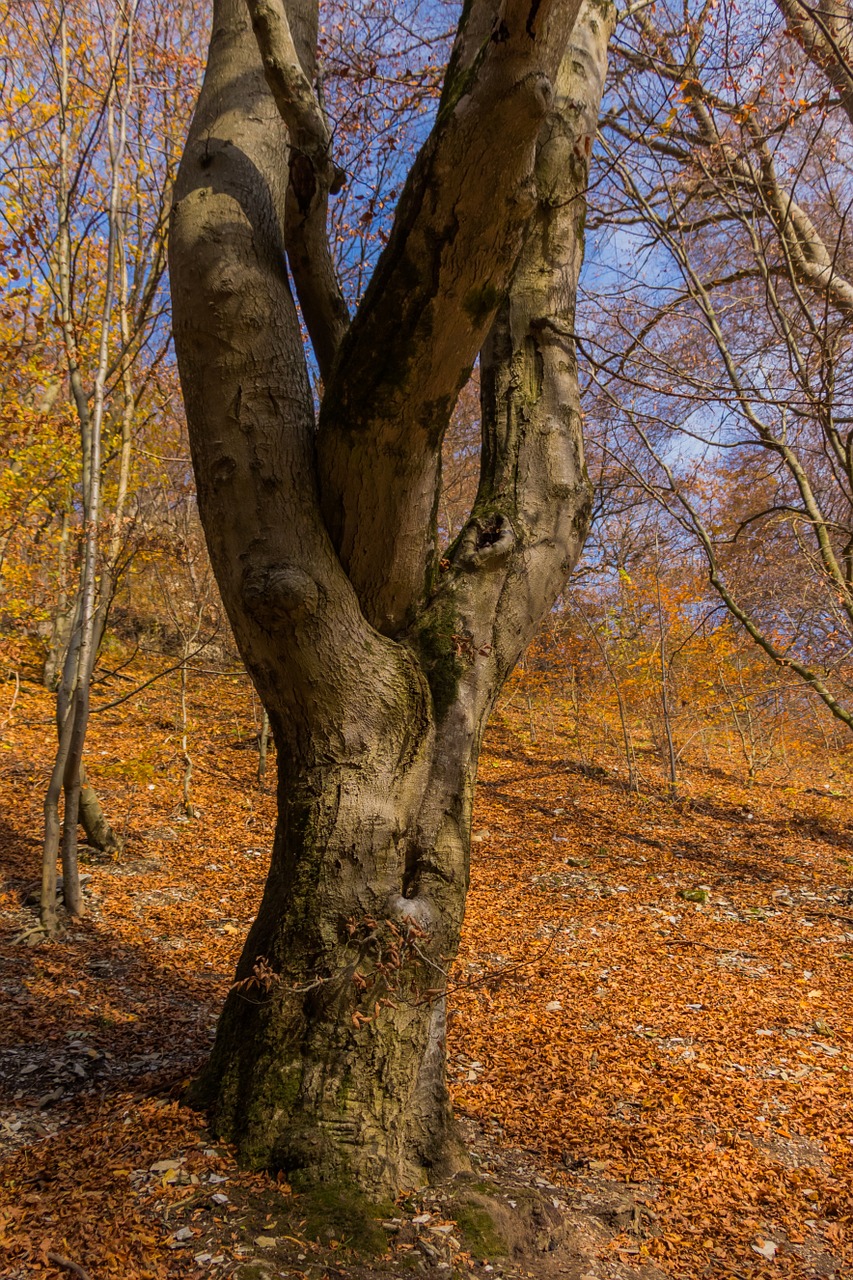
<point x="829" y="915"/>
<point x="195" y="1198"/>
<point x="679" y="941"/>
<point x="27" y="933"/>
<point x="67" y="1265"/>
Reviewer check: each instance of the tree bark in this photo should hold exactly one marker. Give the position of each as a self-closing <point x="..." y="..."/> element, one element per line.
<point x="825" y="30"/>
<point x="93" y="820"/>
<point x="263" y="748"/>
<point x="329" y="1060"/>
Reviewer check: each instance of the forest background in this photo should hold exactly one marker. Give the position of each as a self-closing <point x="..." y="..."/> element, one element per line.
<point x="713" y="604"/>
<point x="705" y="640"/>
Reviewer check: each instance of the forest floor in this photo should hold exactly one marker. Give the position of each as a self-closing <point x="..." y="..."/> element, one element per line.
<point x="671" y="1072"/>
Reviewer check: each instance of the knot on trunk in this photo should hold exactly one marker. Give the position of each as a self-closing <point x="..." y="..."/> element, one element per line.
<point x="416" y="911"/>
<point x="280" y="592"/>
<point x="537" y="94"/>
<point x="486" y="543"/>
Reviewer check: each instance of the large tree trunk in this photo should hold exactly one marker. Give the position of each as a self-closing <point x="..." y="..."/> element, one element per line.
<point x="335" y="1067"/>
<point x="379" y="671"/>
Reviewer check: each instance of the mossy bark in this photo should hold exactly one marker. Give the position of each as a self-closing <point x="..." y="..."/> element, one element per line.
<point x="329" y="1057"/>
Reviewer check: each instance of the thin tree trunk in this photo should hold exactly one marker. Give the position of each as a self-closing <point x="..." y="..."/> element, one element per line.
<point x="531" y="722"/>
<point x="62" y="620"/>
<point x="664" y="680"/>
<point x="627" y="742"/>
<point x="52" y="829"/>
<point x="189" y="811"/>
<point x="263" y="747"/>
<point x="745" y="739"/>
<point x="74" y="716"/>
<point x="71" y="891"/>
<point x="71" y="666"/>
<point x="576" y="710"/>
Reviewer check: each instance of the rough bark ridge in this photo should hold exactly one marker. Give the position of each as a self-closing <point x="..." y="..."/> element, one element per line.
<point x="378" y="671"/>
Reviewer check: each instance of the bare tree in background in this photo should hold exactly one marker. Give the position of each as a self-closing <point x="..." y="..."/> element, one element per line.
<point x="87" y="190"/>
<point x="723" y="376"/>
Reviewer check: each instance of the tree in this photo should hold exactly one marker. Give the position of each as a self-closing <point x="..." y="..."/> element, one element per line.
<point x="86" y="168"/>
<point x="728" y="358"/>
<point x="377" y="654"/>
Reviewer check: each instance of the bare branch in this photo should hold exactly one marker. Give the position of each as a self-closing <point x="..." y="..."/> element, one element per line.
<point x="811" y="260"/>
<point x="313" y="175"/>
<point x="432" y="297"/>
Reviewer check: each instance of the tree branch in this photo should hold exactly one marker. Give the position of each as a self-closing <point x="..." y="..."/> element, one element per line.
<point x="825" y="31"/>
<point x="529" y="520"/>
<point x="454" y="242"/>
<point x="251" y="420"/>
<point x="313" y="176"/>
<point x="812" y="263"/>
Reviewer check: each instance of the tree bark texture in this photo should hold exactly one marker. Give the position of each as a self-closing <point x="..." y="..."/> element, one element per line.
<point x="824" y="28"/>
<point x="378" y="659"/>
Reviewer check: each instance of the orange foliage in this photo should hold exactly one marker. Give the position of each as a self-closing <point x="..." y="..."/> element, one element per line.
<point x="611" y="1028"/>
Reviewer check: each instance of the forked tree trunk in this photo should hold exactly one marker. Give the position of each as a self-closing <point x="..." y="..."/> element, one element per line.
<point x="379" y="664"/>
<point x="68" y="773"/>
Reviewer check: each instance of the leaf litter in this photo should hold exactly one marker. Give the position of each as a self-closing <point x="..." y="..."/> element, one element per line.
<point x="650" y="1018"/>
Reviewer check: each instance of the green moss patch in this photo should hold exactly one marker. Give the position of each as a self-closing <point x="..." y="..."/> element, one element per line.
<point x="505" y="1222"/>
<point x="479" y="1230"/>
<point x="340" y="1213"/>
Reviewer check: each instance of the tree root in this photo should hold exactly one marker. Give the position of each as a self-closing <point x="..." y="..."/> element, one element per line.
<point x="67" y="1265"/>
<point x="28" y="933"/>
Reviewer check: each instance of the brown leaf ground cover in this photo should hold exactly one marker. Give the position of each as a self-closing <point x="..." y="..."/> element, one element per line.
<point x="608" y="1031"/>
